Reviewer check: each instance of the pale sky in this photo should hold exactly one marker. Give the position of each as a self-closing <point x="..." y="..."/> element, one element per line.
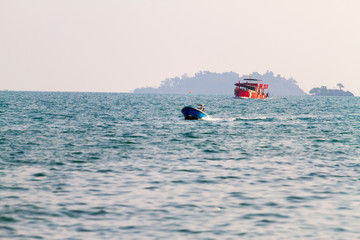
<point x="120" y="45"/>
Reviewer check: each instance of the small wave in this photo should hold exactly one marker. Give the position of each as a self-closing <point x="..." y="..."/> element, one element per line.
<point x="261" y="215"/>
<point x="232" y="119"/>
<point x="7" y="219"/>
<point x="268" y="119"/>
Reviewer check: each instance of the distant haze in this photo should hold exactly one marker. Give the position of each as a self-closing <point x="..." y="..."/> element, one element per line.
<point x="118" y="46"/>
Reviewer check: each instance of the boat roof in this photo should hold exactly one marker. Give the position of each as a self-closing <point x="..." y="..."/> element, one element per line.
<point x="252" y="79"/>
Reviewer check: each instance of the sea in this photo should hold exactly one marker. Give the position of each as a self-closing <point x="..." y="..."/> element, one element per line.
<point x="128" y="166"/>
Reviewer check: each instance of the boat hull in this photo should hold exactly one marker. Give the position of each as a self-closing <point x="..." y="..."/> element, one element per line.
<point x="192" y="113"/>
<point x="248" y="94"/>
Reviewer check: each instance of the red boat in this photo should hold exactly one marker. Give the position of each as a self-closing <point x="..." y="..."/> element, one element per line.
<point x="251" y="88"/>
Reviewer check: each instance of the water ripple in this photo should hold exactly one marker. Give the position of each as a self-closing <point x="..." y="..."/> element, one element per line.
<point x="109" y="166"/>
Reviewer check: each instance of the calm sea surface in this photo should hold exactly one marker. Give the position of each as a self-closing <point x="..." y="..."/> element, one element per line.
<point x="128" y="166"/>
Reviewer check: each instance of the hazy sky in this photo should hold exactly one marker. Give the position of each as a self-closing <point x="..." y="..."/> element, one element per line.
<point x="117" y="46"/>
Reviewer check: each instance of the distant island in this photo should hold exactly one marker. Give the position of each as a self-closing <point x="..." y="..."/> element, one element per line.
<point x="324" y="91"/>
<point x="205" y="82"/>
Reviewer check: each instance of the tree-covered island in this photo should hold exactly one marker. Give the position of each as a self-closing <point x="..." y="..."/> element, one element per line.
<point x="324" y="91"/>
<point x="205" y="82"/>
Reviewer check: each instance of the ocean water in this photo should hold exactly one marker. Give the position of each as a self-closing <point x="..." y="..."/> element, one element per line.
<point x="128" y="166"/>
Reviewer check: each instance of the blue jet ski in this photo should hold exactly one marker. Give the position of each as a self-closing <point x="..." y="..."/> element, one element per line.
<point x="194" y="113"/>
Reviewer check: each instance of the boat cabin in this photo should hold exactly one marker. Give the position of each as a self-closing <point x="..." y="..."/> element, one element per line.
<point x="251" y="88"/>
